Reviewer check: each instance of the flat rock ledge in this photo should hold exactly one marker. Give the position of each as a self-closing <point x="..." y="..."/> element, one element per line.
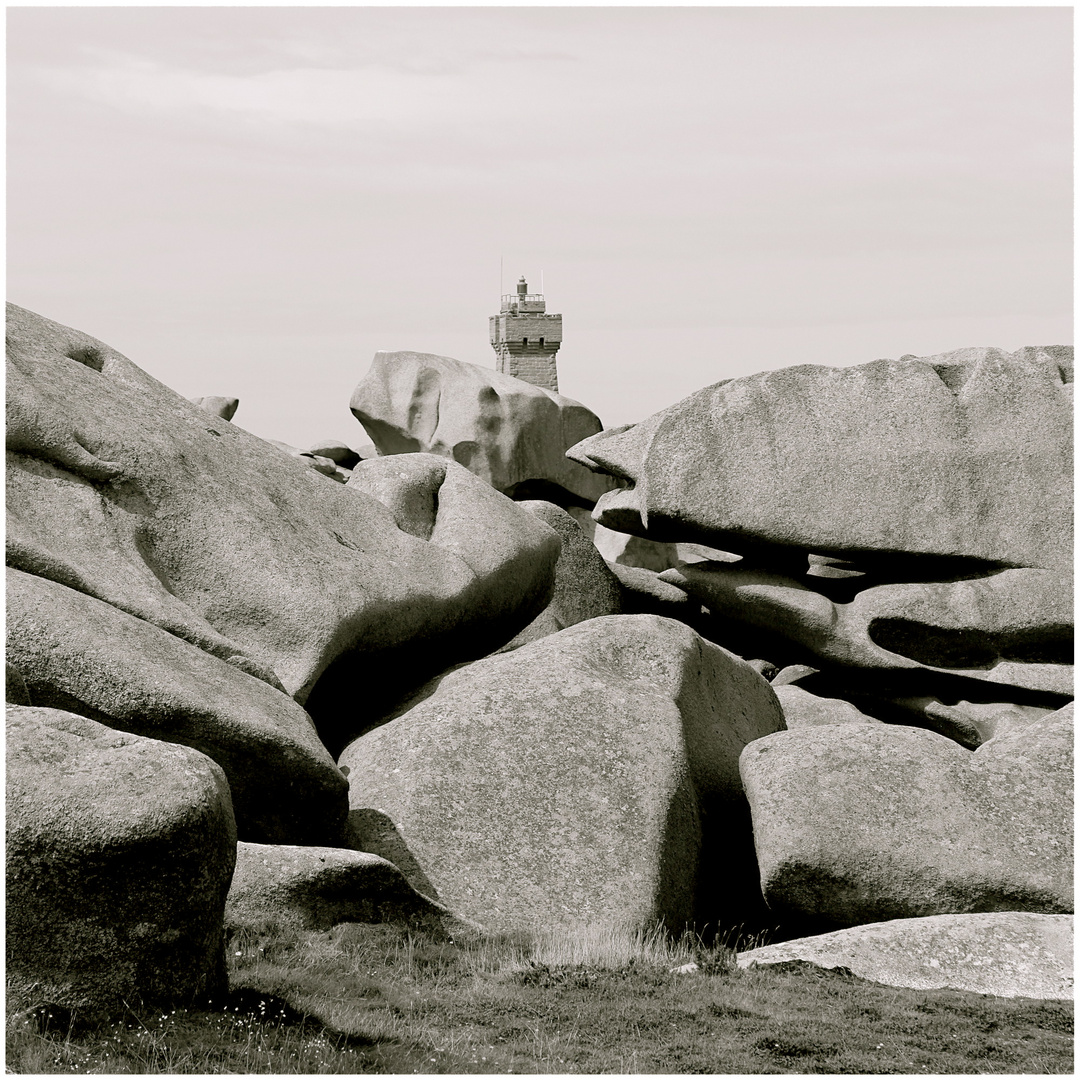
<point x="1005" y="953"/>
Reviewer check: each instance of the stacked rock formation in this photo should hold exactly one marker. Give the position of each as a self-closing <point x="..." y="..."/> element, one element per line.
<point x="899" y="542"/>
<point x="508" y="432"/>
<point x="810" y="671"/>
<point x="173" y="577"/>
<point x="904" y="527"/>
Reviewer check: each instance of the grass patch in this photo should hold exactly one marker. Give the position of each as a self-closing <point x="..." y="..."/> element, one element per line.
<point x="379" y="999"/>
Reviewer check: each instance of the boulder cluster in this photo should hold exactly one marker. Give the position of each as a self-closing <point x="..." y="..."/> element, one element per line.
<point x="791" y="655"/>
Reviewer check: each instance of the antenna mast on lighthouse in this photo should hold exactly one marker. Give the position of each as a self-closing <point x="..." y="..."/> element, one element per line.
<point x="526" y="338"/>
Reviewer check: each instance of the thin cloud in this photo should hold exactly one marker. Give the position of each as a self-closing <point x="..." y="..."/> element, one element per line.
<point x="369" y="97"/>
<point x="263" y="189"/>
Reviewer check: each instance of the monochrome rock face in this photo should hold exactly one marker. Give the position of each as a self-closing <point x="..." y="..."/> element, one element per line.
<point x="584" y="587"/>
<point x="960" y="455"/>
<point x="223" y="407"/>
<point x="119" y="855"/>
<point x="857" y="823"/>
<point x="802" y="709"/>
<point x="1004" y="953"/>
<point x="1009" y="627"/>
<point x="508" y="432"/>
<point x="78" y="653"/>
<point x="315" y="888"/>
<point x="563" y="783"/>
<point x="420" y="684"/>
<point x="340" y="454"/>
<point x="644" y="593"/>
<point x="902" y="527"/>
<point x="125" y="491"/>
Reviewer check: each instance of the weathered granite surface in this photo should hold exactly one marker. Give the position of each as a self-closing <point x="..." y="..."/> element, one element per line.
<point x="121" y="489"/>
<point x="510" y="433"/>
<point x="584" y="587"/>
<point x="563" y="783"/>
<point x="119" y="855"/>
<point x="1004" y="953"/>
<point x="963" y="454"/>
<point x="76" y="652"/>
<point x="858" y="823"/>
<point x="315" y="888"/>
<point x="1009" y="627"/>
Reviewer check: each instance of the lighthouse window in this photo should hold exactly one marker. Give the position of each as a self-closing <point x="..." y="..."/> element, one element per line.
<point x="524" y="342"/>
<point x="541" y="343"/>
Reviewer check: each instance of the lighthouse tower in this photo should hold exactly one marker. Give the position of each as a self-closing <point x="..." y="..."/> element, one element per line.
<point x="525" y="338"/>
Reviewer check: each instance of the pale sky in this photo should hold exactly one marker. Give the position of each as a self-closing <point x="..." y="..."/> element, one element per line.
<point x="252" y="201"/>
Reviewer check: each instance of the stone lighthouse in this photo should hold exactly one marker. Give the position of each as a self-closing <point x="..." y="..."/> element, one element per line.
<point x="525" y="338"/>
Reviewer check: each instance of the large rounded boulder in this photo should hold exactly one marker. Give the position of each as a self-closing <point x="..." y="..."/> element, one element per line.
<point x="573" y="781"/>
<point x="859" y="823"/>
<point x="121" y="489"/>
<point x="120" y="850"/>
<point x="507" y="431"/>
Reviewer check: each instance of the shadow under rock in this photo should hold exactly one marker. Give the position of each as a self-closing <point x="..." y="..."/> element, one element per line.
<point x="271" y="1009"/>
<point x="373" y="831"/>
<point x="730" y="906"/>
<point x="547" y="491"/>
<point x="362" y="690"/>
<point x="970" y="647"/>
<point x="359" y="692"/>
